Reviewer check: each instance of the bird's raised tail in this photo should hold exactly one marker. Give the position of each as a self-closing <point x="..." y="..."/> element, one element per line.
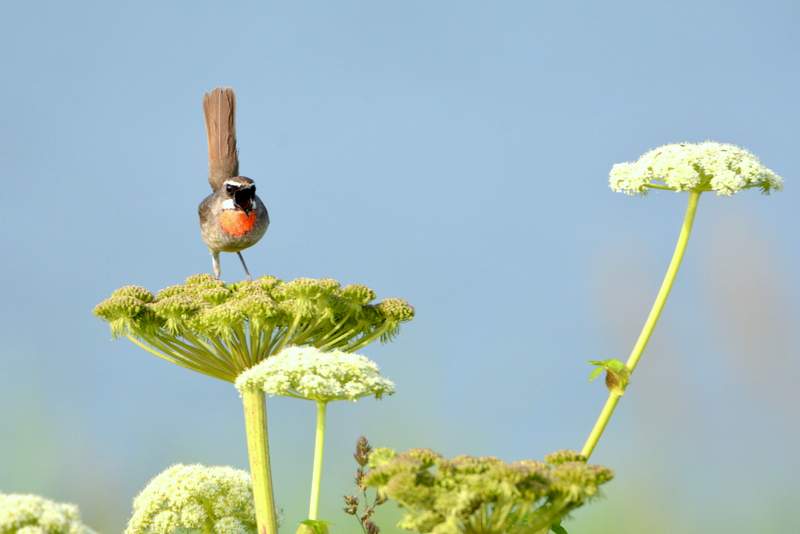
<point x="219" y="107"/>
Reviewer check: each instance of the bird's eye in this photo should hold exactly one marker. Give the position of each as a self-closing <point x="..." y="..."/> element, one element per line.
<point x="230" y="189"/>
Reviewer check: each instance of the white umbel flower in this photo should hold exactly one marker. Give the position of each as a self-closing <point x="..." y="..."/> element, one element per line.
<point x="309" y="373"/>
<point x="722" y="168"/>
<point x="31" y="514"/>
<point x="195" y="498"/>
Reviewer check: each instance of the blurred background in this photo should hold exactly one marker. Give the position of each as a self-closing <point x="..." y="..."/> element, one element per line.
<point x="454" y="154"/>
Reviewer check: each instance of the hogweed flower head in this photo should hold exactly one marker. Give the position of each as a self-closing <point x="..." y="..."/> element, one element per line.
<point x="483" y="494"/>
<point x="708" y="166"/>
<point x="195" y="499"/>
<point x="32" y="514"/>
<point x="223" y="329"/>
<point x="308" y="373"/>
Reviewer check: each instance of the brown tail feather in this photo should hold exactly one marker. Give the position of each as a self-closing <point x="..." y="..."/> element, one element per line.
<point x="219" y="107"/>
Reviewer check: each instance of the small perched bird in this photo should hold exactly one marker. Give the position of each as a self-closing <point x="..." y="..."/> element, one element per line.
<point x="232" y="217"/>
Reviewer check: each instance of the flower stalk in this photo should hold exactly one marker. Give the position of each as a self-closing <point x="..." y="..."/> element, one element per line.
<point x="227" y="330"/>
<point x="316" y="476"/>
<point x="255" y="419"/>
<point x="312" y="374"/>
<point x="650" y="324"/>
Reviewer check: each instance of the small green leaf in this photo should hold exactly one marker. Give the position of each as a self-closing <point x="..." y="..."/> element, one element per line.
<point x="615" y="365"/>
<point x="597" y="371"/>
<point x="558" y="529"/>
<point x="617" y="373"/>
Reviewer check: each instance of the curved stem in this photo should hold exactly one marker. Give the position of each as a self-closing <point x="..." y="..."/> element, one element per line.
<point x="650" y="323"/>
<point x="174" y="358"/>
<point x="255" y="422"/>
<point x="316" y="477"/>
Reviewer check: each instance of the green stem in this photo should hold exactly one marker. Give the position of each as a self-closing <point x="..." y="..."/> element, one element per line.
<point x="255" y="423"/>
<point x="650" y="323"/>
<point x="289" y="333"/>
<point x="367" y="339"/>
<point x="316" y="477"/>
<point x="176" y="359"/>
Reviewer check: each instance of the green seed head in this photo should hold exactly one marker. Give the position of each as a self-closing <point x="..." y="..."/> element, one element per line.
<point x="202" y="279"/>
<point x="396" y="310"/>
<point x="124" y="314"/>
<point x="357" y="294"/>
<point x="223" y="329"/>
<point x="564" y="456"/>
<point x="220" y="321"/>
<point x="137" y="292"/>
<point x="449" y="495"/>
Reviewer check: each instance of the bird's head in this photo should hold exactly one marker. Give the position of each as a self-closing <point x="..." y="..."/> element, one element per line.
<point x="241" y="190"/>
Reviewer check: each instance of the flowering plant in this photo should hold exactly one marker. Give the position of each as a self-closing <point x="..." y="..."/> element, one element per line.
<point x="298" y="339"/>
<point x="195" y="498"/>
<point x="311" y="374"/>
<point x="483" y="495"/>
<point x="690" y="167"/>
<point x="31" y="514"/>
<point x="224" y="330"/>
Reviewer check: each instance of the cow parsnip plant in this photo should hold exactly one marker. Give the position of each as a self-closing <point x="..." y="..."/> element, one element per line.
<point x="309" y="373"/>
<point x="222" y="330"/>
<point x="483" y="495"/>
<point x="297" y="339"/>
<point x="692" y="168"/>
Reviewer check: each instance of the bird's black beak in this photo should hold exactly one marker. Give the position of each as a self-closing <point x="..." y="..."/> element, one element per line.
<point x="243" y="199"/>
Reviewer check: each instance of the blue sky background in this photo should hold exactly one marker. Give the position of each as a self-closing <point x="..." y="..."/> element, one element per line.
<point x="452" y="153"/>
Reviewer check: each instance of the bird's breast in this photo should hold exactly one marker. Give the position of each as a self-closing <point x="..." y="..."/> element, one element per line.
<point x="236" y="222"/>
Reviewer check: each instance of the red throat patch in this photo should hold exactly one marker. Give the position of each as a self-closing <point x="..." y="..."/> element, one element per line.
<point x="237" y="223"/>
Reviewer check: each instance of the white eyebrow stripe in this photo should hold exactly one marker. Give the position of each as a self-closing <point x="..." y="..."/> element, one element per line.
<point x="233" y="182"/>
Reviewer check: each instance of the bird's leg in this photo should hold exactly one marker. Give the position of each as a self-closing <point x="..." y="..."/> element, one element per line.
<point x="215" y="263"/>
<point x="244" y="265"/>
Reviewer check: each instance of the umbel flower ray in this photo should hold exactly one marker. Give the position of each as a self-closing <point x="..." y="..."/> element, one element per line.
<point x="221" y="329"/>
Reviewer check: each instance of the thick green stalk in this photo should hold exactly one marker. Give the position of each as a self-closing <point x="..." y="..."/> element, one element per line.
<point x="649" y="325"/>
<point x="255" y="423"/>
<point x="316" y="477"/>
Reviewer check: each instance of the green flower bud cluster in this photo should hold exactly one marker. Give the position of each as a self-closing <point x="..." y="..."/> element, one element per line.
<point x="309" y="373"/>
<point x="725" y="169"/>
<point x="467" y="495"/>
<point x="223" y="329"/>
<point x="195" y="499"/>
<point x="31" y="514"/>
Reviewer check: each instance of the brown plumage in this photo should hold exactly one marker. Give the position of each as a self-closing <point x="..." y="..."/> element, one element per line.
<point x="219" y="107"/>
<point x="232" y="217"/>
